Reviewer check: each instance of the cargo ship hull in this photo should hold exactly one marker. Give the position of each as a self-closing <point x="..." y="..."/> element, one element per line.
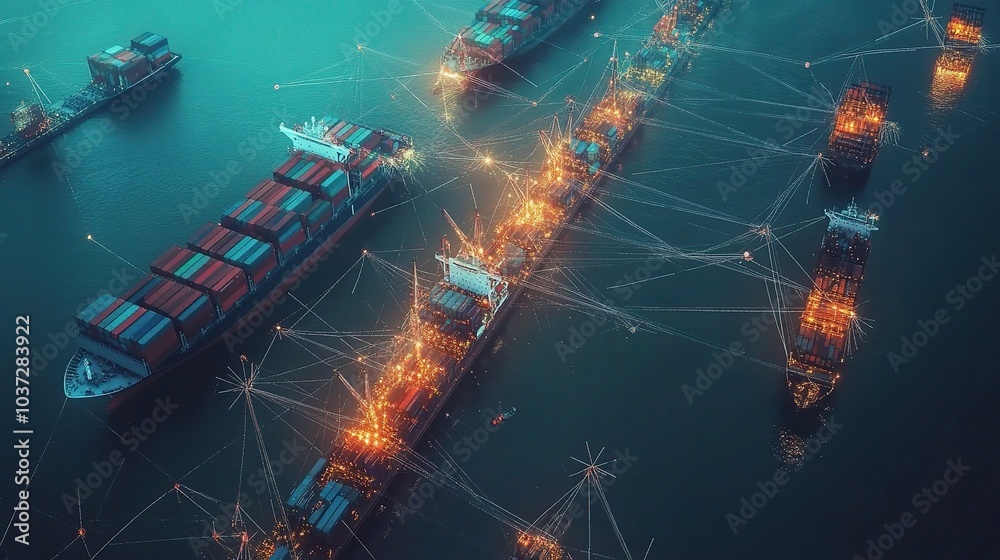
<point x="345" y="532"/>
<point x="475" y="66"/>
<point x="820" y="346"/>
<point x="65" y="118"/>
<point x="477" y="347"/>
<point x="857" y="130"/>
<point x="275" y="284"/>
<point x="335" y="540"/>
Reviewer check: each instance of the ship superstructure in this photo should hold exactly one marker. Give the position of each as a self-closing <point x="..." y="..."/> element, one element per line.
<point x="820" y="347"/>
<point x="114" y="72"/>
<point x="450" y="323"/>
<point x="857" y="127"/>
<point x="198" y="292"/>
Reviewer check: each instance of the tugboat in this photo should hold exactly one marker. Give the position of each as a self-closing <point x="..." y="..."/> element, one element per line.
<point x="504" y="416"/>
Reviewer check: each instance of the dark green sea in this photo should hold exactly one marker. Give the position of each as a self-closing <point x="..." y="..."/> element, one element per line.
<point x="689" y="463"/>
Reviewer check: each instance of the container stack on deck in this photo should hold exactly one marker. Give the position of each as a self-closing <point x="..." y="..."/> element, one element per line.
<point x="281" y="228"/>
<point x="223" y="283"/>
<point x="962" y="39"/>
<point x="190" y="310"/>
<point x="118" y="67"/>
<point x="128" y="328"/>
<point x="451" y="326"/>
<point x="501" y="27"/>
<point x="199" y="291"/>
<point x="254" y="257"/>
<point x="858" y="124"/>
<point x="452" y="313"/>
<point x="820" y="346"/>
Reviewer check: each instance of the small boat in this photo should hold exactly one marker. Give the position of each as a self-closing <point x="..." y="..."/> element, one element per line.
<point x="504" y="416"/>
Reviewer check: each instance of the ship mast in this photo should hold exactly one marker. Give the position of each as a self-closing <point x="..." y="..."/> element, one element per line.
<point x="39" y="92"/>
<point x="613" y="84"/>
<point x="468" y="246"/>
<point x="415" y="313"/>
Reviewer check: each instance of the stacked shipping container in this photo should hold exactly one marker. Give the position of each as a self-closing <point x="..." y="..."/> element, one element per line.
<point x="256" y="258"/>
<point x="279" y="227"/>
<point x="225" y="284"/>
<point x="154" y="47"/>
<point x="452" y="312"/>
<point x="192" y="288"/>
<point x="188" y="309"/>
<point x="129" y="328"/>
<point x="502" y="27"/>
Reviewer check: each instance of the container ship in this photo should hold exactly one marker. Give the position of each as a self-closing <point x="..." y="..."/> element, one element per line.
<point x="821" y="345"/>
<point x="963" y="37"/>
<point x="113" y="72"/>
<point x="198" y="292"/>
<point x="680" y="25"/>
<point x="449" y="324"/>
<point x="857" y="129"/>
<point x="503" y="29"/>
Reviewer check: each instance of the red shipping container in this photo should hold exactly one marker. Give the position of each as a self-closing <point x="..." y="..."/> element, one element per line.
<point x="169" y="259"/>
<point x="278" y="194"/>
<point x="336" y="128"/>
<point x="347" y="132"/>
<point x="138" y="286"/>
<point x="323" y="175"/>
<point x="298" y="238"/>
<point x="158" y="296"/>
<point x="225" y="238"/>
<point x="312" y="173"/>
<point x="287" y="165"/>
<point x="217" y="235"/>
<point x="264" y="217"/>
<point x="223" y="246"/>
<point x="339" y="198"/>
<point x="260" y="187"/>
<point x="177" y="303"/>
<point x="136" y="314"/>
<point x="203" y="276"/>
